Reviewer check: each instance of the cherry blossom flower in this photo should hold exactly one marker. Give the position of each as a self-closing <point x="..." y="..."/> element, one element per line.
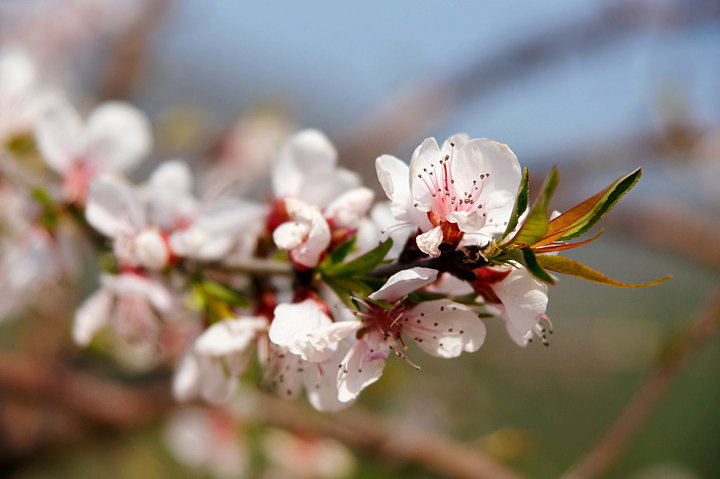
<point x="520" y="299"/>
<point x="213" y="362"/>
<point x="305" y="457"/>
<point x="19" y="96"/>
<point x="115" y="137"/>
<point x="132" y="304"/>
<point x="306" y="169"/>
<point x="467" y="186"/>
<point x="209" y="439"/>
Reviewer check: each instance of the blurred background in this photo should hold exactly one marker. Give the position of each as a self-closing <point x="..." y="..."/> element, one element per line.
<point x="597" y="88"/>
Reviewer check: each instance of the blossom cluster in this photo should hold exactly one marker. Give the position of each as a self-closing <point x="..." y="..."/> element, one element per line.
<point x="314" y="288"/>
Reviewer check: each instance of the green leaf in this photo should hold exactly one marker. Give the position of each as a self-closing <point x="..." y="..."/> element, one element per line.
<point x="526" y="257"/>
<point x="521" y="203"/>
<point x="222" y="293"/>
<point x="561" y="264"/>
<point x="339" y="254"/>
<point x="536" y="224"/>
<point x="582" y="217"/>
<point x="363" y="264"/>
<point x="341" y="292"/>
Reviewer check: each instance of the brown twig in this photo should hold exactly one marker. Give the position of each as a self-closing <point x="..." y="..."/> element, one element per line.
<point x="604" y="454"/>
<point x="362" y="430"/>
<point x="129" y="52"/>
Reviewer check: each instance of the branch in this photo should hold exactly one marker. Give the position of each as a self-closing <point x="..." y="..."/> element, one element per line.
<point x="129" y="52"/>
<point x="604" y="454"/>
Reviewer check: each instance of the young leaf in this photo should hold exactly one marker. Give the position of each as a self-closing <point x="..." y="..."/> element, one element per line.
<point x="521" y="203"/>
<point x="536" y="224"/>
<point x="582" y="217"/>
<point x="341" y="292"/>
<point x="564" y="246"/>
<point x="362" y="265"/>
<point x="223" y="293"/>
<point x="339" y="254"/>
<point x="526" y="256"/>
<point x="561" y="264"/>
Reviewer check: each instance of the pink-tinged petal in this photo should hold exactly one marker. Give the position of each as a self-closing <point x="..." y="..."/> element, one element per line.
<point x="60" y="135"/>
<point x="350" y="207"/>
<point x="113" y="207"/>
<point x="317" y="238"/>
<point x="230" y="336"/>
<point x="292" y="326"/>
<point x="424" y="158"/>
<point x="328" y="337"/>
<point x="443" y="328"/>
<point x="449" y="285"/>
<point x="135" y="285"/>
<point x="362" y="366"/>
<point x="92" y="316"/>
<point x="524" y="301"/>
<point x="151" y="251"/>
<point x="403" y="283"/>
<point x="320" y="380"/>
<point x="307" y="152"/>
<point x="429" y="243"/>
<point x="119" y="136"/>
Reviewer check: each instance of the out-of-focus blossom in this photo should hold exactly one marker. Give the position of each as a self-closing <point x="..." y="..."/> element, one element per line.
<point x="132" y="304"/>
<point x="20" y="96"/>
<point x="306" y="169"/>
<point x="211" y="365"/>
<point x="31" y="261"/>
<point x="208" y="439"/>
<point x="114" y="139"/>
<point x="304" y="457"/>
<point x="467" y="186"/>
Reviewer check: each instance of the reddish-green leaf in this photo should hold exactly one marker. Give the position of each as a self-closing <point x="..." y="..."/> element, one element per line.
<point x="561" y="264"/>
<point x="582" y="217"/>
<point x="564" y="246"/>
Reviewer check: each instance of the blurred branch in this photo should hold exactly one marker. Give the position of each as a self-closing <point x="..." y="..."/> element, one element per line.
<point x="101" y="401"/>
<point x="363" y="430"/>
<point x="129" y="53"/>
<point x="413" y="111"/>
<point x="604" y="454"/>
<point x="106" y="403"/>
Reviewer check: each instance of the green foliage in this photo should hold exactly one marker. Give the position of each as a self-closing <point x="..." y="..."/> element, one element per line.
<point x="536" y="225"/>
<point x="526" y="257"/>
<point x="361" y="265"/>
<point x="521" y="203"/>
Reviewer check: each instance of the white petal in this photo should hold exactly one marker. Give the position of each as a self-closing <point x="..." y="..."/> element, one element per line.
<point x="230" y="336"/>
<point x="113" y="207"/>
<point x="292" y="324"/>
<point x="291" y="234"/>
<point x="118" y="136"/>
<point x="403" y="283"/>
<point x="320" y="380"/>
<point x="317" y="240"/>
<point x="92" y="316"/>
<point x="394" y="177"/>
<point x="349" y="207"/>
<point x="456" y="141"/>
<point x="186" y="381"/>
<point x="306" y="152"/>
<point x="362" y="366"/>
<point x="424" y="158"/>
<point x="216" y="386"/>
<point x="467" y="221"/>
<point x="151" y="251"/>
<point x="429" y="242"/>
<point x="444" y="328"/>
<point x="60" y="135"/>
<point x="524" y="302"/>
<point x="172" y="175"/>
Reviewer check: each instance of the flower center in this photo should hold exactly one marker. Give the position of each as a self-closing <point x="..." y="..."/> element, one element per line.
<point x="447" y="197"/>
